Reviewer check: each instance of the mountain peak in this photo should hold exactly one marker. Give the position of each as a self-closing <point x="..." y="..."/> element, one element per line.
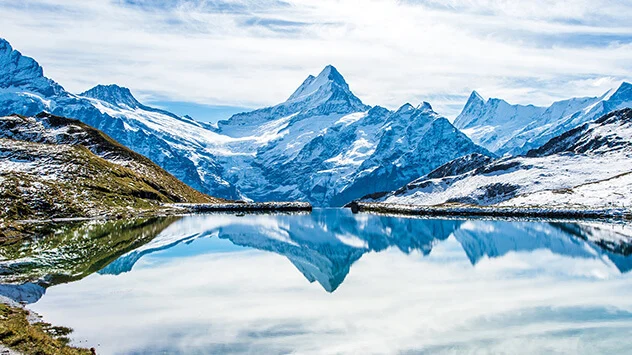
<point x="475" y="97"/>
<point x="327" y="78"/>
<point x="472" y="109"/>
<point x="624" y="85"/>
<point x="17" y="70"/>
<point x="326" y="93"/>
<point x="474" y="101"/>
<point x="113" y="94"/>
<point x="624" y="92"/>
<point x="405" y="108"/>
<point x="425" y="106"/>
<point x="322" y="95"/>
<point x="331" y="73"/>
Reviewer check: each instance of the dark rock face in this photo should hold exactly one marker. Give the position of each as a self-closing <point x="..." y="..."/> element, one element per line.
<point x="585" y="138"/>
<point x="460" y="166"/>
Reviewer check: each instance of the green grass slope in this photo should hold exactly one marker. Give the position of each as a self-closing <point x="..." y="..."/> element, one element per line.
<point x="53" y="167"/>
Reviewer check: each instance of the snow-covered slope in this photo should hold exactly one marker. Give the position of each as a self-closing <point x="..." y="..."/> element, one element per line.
<point x="493" y="122"/>
<point x="588" y="166"/>
<point x="515" y="129"/>
<point x="322" y="145"/>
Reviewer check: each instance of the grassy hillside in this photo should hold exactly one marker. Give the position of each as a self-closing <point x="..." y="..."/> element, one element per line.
<point x="53" y="167"/>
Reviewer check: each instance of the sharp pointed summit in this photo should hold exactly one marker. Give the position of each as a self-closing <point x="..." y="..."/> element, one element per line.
<point x="325" y="95"/>
<point x="475" y="98"/>
<point x="623" y="93"/>
<point x="113" y="94"/>
<point x="474" y="105"/>
<point x="327" y="82"/>
<point x="425" y="106"/>
<point x="332" y="74"/>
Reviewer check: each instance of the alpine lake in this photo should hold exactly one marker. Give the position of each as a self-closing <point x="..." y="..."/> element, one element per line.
<point x="329" y="282"/>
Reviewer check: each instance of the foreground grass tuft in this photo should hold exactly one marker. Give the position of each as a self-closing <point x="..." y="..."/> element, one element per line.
<point x="39" y="338"/>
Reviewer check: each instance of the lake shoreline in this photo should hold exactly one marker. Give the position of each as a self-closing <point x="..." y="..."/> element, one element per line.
<point x="13" y="230"/>
<point x="245" y="207"/>
<point x="502" y="212"/>
<point x="25" y="332"/>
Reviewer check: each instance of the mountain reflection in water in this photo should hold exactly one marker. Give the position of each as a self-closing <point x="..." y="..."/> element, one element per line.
<point x="324" y="245"/>
<point x="228" y="284"/>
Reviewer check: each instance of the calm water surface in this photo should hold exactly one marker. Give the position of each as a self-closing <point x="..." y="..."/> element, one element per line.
<point x="331" y="282"/>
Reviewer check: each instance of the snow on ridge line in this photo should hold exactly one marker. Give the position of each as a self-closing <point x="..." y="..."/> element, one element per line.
<point x="507" y="128"/>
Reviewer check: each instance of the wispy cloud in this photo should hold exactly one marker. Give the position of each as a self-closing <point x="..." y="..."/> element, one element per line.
<point x="254" y="53"/>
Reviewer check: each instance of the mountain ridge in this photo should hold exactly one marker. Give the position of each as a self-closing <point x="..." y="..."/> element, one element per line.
<point x="281" y="152"/>
<point x="515" y="129"/>
<point x="113" y="94"/>
<point x="589" y="166"/>
<point x="322" y="145"/>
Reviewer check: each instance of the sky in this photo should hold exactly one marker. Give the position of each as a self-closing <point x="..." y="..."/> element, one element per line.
<point x="210" y="58"/>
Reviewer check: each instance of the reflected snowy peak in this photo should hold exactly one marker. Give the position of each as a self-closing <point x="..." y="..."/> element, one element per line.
<point x="325" y="244"/>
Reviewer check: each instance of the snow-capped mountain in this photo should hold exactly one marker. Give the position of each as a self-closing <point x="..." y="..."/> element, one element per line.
<point x="515" y="129"/>
<point x="318" y="98"/>
<point x="114" y="95"/>
<point x="322" y="145"/>
<point x="493" y="122"/>
<point x="325" y="146"/>
<point x="176" y="144"/>
<point x="586" y="167"/>
<point x="356" y="154"/>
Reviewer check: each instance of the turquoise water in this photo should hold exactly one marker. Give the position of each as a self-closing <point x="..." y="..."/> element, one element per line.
<point x="333" y="282"/>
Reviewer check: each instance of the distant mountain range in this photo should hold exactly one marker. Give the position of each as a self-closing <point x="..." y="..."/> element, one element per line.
<point x="515" y="129"/>
<point x="322" y="145"/>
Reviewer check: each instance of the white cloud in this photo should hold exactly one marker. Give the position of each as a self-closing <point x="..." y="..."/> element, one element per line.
<point x="255" y="53"/>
